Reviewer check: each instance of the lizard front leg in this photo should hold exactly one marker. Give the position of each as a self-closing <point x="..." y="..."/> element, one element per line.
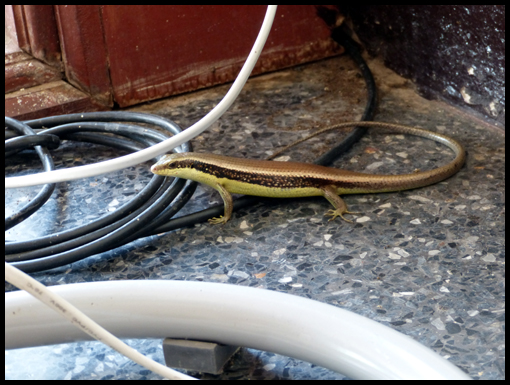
<point x="228" y="202"/>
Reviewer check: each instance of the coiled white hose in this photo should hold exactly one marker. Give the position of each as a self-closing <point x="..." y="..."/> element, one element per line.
<point x="266" y="320"/>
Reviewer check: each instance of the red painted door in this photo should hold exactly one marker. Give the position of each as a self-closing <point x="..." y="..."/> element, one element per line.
<point x="135" y="53"/>
<point x="87" y="57"/>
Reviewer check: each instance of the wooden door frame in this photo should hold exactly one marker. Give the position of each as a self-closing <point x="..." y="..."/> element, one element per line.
<point x="35" y="84"/>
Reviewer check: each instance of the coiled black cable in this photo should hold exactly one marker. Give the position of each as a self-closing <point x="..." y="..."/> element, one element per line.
<point x="149" y="212"/>
<point x="155" y="204"/>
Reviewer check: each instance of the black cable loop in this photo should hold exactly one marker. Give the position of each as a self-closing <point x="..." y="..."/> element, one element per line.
<point x="45" y="193"/>
<point x="81" y="231"/>
<point x="113" y="229"/>
<point x="15" y="145"/>
<point x="102" y="240"/>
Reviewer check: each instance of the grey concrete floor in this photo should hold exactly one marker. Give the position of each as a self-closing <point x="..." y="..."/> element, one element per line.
<point x="427" y="262"/>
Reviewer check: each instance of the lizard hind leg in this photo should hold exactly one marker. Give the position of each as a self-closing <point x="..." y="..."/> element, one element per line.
<point x="329" y="192"/>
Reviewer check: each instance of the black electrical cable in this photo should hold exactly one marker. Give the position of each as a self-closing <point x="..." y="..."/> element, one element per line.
<point x="47" y="189"/>
<point x="21" y="143"/>
<point x="149" y="212"/>
<point x="152" y="205"/>
<point x="341" y="37"/>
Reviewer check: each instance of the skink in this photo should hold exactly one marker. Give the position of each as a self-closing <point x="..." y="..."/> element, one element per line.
<point x="294" y="179"/>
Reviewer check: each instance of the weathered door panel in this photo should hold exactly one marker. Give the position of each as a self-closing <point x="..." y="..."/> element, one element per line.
<point x="152" y="51"/>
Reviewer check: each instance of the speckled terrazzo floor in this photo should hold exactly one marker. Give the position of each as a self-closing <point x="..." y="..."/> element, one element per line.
<point x="428" y="263"/>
